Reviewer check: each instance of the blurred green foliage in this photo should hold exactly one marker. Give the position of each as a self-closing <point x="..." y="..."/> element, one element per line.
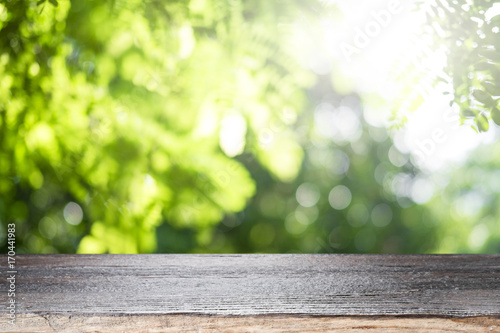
<point x="116" y="106"/>
<point x="176" y="126"/>
<point x="393" y="206"/>
<point x="347" y="198"/>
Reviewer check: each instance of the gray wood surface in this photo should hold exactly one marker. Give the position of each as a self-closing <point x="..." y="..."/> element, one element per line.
<point x="331" y="285"/>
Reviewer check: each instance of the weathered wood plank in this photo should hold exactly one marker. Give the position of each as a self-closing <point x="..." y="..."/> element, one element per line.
<point x="454" y="285"/>
<point x="177" y="288"/>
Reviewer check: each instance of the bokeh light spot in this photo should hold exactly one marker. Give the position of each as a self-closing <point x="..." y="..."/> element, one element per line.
<point x="232" y="134"/>
<point x="307" y="194"/>
<point x="293" y="226"/>
<point x="73" y="213"/>
<point x="357" y="215"/>
<point x="381" y="215"/>
<point x="478" y="237"/>
<point x="422" y="191"/>
<point x="262" y="234"/>
<point x="340" y="197"/>
<point x="47" y="227"/>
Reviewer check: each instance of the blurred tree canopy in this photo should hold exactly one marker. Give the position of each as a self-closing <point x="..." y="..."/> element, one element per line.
<point x="178" y="126"/>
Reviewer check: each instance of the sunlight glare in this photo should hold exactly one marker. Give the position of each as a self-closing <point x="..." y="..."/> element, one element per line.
<point x="376" y="49"/>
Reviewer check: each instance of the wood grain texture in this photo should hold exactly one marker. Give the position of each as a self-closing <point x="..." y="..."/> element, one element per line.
<point x="77" y="288"/>
<point x="263" y="323"/>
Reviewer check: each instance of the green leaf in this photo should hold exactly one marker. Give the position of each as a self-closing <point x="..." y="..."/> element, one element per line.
<point x="484" y="66"/>
<point x="482" y="123"/>
<point x="491" y="55"/>
<point x="496" y="76"/>
<point x="457" y="80"/>
<point x="482" y="96"/>
<point x="495" y="21"/>
<point x="54" y="3"/>
<point x="467" y="113"/>
<point x="495" y="115"/>
<point x="491" y="88"/>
